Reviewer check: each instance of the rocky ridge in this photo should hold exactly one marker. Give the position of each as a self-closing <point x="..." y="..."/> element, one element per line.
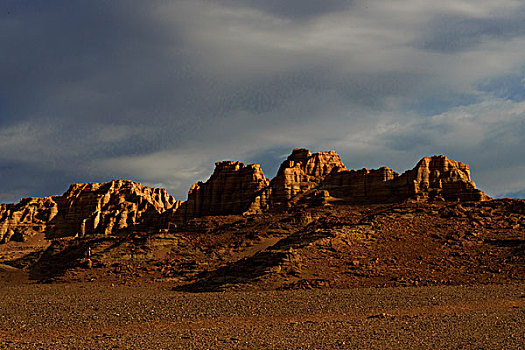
<point x="304" y="178"/>
<point x="85" y="209"/>
<point x="318" y="178"/>
<point x="434" y="178"/>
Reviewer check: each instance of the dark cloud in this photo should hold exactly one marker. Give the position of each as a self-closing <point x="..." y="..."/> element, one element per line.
<point x="158" y="91"/>
<point x="438" y="103"/>
<point x="25" y="181"/>
<point x="509" y="86"/>
<point x="295" y="9"/>
<point x="454" y="33"/>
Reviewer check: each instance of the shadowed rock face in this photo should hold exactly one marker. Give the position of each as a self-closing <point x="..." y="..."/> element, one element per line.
<point x="233" y="188"/>
<point x="91" y="208"/>
<point x="362" y="185"/>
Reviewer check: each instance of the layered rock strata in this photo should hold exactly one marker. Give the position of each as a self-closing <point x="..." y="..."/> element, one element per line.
<point x="363" y="185"/>
<point x="439" y="176"/>
<point x="91" y="208"/>
<point x="19" y="221"/>
<point x="233" y="188"/>
<point x="301" y="172"/>
<point x="434" y="177"/>
<point x="107" y="208"/>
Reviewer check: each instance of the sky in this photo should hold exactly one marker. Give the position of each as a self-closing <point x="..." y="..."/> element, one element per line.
<point x="158" y="91"/>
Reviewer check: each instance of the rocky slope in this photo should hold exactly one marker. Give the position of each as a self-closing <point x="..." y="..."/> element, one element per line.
<point x="345" y="246"/>
<point x="337" y="246"/>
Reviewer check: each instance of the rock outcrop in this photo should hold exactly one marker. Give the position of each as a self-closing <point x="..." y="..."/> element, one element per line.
<point x="434" y="177"/>
<point x="363" y="185"/>
<point x="19" y="221"/>
<point x="91" y="208"/>
<point x="233" y="188"/>
<point x="301" y="172"/>
<point x="105" y="208"/>
<point x="439" y="177"/>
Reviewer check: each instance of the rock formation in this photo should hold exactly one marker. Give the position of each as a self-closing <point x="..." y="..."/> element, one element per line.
<point x="91" y="208"/>
<point x="233" y="188"/>
<point x="363" y="185"/>
<point x="18" y="221"/>
<point x="301" y="172"/>
<point x="107" y="208"/>
<point x="313" y="178"/>
<point x="434" y="177"/>
<point x="439" y="176"/>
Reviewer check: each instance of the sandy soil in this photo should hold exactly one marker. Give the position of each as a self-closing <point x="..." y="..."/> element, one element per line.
<point x="104" y="316"/>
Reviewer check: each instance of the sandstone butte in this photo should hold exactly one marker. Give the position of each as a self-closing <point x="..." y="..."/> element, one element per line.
<point x="304" y="178"/>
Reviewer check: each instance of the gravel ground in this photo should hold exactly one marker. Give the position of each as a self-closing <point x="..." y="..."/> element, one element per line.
<point x="104" y="316"/>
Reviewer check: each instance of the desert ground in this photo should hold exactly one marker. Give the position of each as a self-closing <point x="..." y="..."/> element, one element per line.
<point x="101" y="315"/>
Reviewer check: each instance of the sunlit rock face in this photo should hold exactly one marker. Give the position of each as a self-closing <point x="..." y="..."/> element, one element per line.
<point x="300" y="172"/>
<point x="434" y="177"/>
<point x="304" y="178"/>
<point x="20" y="221"/>
<point x="233" y="188"/>
<point x="439" y="177"/>
<point x="90" y="208"/>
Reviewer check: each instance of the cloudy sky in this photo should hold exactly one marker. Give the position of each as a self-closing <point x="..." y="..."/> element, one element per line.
<point x="157" y="91"/>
